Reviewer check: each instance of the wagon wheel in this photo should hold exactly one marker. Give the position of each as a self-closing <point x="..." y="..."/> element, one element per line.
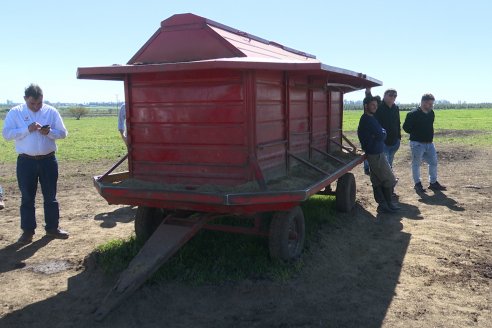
<point x="287" y="233"/>
<point x="147" y="220"/>
<point x="345" y="193"/>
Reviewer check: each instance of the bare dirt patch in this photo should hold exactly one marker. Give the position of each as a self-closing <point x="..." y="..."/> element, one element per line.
<point x="428" y="266"/>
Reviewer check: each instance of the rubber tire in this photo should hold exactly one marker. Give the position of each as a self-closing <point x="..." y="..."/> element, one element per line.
<point x="281" y="242"/>
<point x="345" y="193"/>
<point x="147" y="220"/>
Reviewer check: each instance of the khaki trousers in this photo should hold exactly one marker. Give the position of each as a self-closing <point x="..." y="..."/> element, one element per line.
<point x="381" y="174"/>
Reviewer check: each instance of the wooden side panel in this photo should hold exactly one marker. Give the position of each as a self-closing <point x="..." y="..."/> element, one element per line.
<point x="320" y="121"/>
<point x="299" y="117"/>
<point x="270" y="123"/>
<point x="188" y="128"/>
<point x="335" y="119"/>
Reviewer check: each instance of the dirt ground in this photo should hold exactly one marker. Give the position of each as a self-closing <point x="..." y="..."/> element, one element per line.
<point x="430" y="265"/>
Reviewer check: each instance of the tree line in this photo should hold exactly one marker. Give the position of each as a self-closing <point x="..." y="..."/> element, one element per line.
<point x="79" y="111"/>
<point x="438" y="104"/>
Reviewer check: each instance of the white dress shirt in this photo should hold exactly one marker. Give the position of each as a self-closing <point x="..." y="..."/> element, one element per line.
<point x="16" y="127"/>
<point x="122" y="118"/>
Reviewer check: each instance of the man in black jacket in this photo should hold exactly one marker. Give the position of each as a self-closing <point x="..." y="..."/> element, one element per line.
<point x="371" y="136"/>
<point x="388" y="115"/>
<point x="419" y="123"/>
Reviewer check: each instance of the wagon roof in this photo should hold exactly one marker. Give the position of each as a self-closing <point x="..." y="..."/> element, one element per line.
<point x="191" y="42"/>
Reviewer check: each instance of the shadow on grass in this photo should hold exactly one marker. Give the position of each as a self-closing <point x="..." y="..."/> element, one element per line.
<point x="218" y="257"/>
<point x="346" y="278"/>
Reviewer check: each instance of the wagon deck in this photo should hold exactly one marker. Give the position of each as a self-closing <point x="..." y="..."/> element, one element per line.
<point x="279" y="194"/>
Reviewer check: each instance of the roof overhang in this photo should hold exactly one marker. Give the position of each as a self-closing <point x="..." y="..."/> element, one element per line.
<point x="344" y="79"/>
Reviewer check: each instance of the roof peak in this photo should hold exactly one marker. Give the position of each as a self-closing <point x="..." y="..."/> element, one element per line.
<point x="189" y="37"/>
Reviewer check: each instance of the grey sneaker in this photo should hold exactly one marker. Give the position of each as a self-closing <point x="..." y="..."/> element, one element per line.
<point x="57" y="233"/>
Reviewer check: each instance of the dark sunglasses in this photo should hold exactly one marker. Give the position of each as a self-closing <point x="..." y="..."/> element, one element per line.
<point x="392" y="95"/>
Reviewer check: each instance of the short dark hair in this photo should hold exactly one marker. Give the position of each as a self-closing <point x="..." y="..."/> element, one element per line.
<point x="33" y="90"/>
<point x="428" y="96"/>
<point x="369" y="99"/>
<point x="391" y="90"/>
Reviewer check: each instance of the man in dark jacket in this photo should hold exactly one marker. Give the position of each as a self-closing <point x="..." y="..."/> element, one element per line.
<point x="371" y="136"/>
<point x="388" y="115"/>
<point x="419" y="123"/>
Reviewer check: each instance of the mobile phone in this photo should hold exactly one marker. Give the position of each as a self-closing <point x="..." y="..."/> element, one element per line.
<point x="45" y="126"/>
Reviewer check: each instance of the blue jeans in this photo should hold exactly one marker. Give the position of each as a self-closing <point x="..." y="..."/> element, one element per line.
<point x="390" y="152"/>
<point x="427" y="152"/>
<point x="29" y="172"/>
<point x="366" y="167"/>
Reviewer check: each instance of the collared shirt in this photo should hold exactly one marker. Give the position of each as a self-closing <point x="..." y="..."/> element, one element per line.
<point x="16" y="127"/>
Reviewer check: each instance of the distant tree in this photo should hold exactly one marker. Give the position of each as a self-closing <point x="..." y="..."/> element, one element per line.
<point x="78" y="111"/>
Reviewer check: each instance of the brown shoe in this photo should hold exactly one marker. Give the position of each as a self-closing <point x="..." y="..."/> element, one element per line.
<point x="57" y="233"/>
<point x="25" y="238"/>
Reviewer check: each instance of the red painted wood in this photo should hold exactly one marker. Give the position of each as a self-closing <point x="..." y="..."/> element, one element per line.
<point x="208" y="105"/>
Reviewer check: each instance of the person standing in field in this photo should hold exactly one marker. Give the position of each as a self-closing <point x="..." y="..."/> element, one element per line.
<point x="419" y="123"/>
<point x="2" y="204"/>
<point x="122" y="123"/>
<point x="388" y="115"/>
<point x="367" y="171"/>
<point x="371" y="136"/>
<point x="34" y="126"/>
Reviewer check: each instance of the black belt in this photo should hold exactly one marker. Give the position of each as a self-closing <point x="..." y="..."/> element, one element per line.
<point x="37" y="157"/>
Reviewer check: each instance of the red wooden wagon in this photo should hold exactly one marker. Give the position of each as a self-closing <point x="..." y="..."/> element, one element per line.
<point x="221" y="121"/>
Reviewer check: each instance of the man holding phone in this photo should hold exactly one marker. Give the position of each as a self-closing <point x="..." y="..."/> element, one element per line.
<point x="34" y="126"/>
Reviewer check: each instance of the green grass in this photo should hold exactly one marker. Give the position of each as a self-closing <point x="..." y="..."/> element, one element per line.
<point x="93" y="138"/>
<point x="89" y="139"/>
<point x="217" y="257"/>
<point x="449" y="125"/>
<point x="214" y="256"/>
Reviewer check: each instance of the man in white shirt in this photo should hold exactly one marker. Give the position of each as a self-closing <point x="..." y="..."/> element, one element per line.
<point x="122" y="122"/>
<point x="2" y="204"/>
<point x="34" y="127"/>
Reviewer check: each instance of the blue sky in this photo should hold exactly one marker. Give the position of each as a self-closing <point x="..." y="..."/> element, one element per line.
<point x="418" y="46"/>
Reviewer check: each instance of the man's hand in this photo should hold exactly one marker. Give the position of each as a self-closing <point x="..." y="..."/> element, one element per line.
<point x="34" y="126"/>
<point x="45" y="129"/>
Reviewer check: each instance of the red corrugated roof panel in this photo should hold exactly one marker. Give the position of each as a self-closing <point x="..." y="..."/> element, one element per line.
<point x="188" y="37"/>
<point x="191" y="42"/>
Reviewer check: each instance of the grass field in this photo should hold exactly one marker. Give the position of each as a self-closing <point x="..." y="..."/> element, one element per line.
<point x="89" y="139"/>
<point x="205" y="258"/>
<point x="92" y="138"/>
<point x="215" y="257"/>
<point x="446" y="125"/>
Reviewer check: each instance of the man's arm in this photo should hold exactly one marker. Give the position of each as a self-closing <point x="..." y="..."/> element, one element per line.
<point x="11" y="131"/>
<point x="57" y="130"/>
<point x="408" y="124"/>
